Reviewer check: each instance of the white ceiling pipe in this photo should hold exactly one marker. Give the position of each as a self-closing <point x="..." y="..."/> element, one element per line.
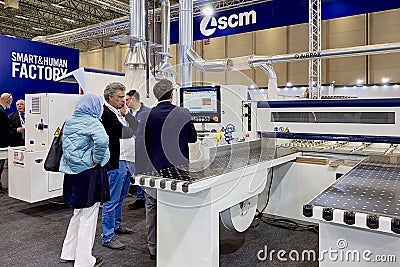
<point x="272" y="80"/>
<point x="165" y="68"/>
<point x="201" y="64"/>
<point x="185" y="40"/>
<point x="256" y="61"/>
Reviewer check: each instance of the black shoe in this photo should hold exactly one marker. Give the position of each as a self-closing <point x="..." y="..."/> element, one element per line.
<point x="138" y="204"/>
<point x="123" y="231"/>
<point x="114" y="244"/>
<point x="153" y="257"/>
<point x="99" y="262"/>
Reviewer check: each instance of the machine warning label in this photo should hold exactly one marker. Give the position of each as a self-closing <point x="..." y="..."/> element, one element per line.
<point x="18" y="159"/>
<point x="57" y="132"/>
<point x="282" y="129"/>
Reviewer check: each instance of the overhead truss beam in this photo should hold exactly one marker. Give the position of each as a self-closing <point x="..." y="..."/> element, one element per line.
<point x="121" y="25"/>
<point x="45" y="17"/>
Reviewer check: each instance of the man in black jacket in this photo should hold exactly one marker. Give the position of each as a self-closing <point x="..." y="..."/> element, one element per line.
<point x="119" y="124"/>
<point x="167" y="131"/>
<point x="17" y="120"/>
<point x="5" y="128"/>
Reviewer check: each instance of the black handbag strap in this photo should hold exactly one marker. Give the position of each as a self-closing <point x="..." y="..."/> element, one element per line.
<point x="61" y="130"/>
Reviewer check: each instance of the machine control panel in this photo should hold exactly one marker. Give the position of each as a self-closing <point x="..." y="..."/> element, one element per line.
<point x="205" y="118"/>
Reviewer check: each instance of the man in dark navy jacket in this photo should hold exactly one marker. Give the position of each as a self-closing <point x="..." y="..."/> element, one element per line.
<point x="168" y="130"/>
<point x="17" y="120"/>
<point x="5" y="129"/>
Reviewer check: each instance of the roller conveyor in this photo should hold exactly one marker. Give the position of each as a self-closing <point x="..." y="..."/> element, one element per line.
<point x="198" y="171"/>
<point x="198" y="175"/>
<point x="342" y="147"/>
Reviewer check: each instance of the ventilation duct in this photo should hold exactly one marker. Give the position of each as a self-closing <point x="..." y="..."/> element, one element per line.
<point x="272" y="80"/>
<point x="208" y="65"/>
<point x="185" y="40"/>
<point x="136" y="57"/>
<point x="165" y="69"/>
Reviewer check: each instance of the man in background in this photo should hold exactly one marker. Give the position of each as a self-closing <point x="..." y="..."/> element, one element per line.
<point x="166" y="133"/>
<point x="139" y="110"/>
<point x="119" y="124"/>
<point x="17" y="120"/>
<point x="5" y="129"/>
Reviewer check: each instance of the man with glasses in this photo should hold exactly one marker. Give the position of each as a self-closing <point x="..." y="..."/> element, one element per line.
<point x="17" y="120"/>
<point x="139" y="110"/>
<point x="5" y="129"/>
<point x="119" y="124"/>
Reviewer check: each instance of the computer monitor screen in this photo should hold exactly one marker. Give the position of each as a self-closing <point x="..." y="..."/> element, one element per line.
<point x="203" y="102"/>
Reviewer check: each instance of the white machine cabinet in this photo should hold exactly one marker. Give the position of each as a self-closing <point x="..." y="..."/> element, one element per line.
<point x="191" y="198"/>
<point x="28" y="181"/>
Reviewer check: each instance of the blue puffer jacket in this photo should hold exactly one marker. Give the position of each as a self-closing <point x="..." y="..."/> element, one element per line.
<point x="84" y="140"/>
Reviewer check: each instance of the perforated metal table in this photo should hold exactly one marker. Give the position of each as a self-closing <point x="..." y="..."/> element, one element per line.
<point x="361" y="210"/>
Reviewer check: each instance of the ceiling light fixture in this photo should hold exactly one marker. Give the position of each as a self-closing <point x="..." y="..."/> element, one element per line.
<point x="69" y="20"/>
<point x="21" y="17"/>
<point x="58" y="6"/>
<point x="208" y="10"/>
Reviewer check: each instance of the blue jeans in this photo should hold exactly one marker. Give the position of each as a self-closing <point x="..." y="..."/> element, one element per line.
<point x="139" y="193"/>
<point x="112" y="210"/>
<point x="139" y="190"/>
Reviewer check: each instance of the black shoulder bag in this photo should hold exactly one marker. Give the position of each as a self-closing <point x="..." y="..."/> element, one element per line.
<point x="52" y="162"/>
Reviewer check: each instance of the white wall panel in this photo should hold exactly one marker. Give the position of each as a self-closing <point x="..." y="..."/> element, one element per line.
<point x="83" y="59"/>
<point x="244" y="77"/>
<point x="94" y="59"/>
<point x="110" y="59"/>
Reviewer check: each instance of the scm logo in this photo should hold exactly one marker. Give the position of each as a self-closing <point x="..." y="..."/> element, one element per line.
<point x="209" y="24"/>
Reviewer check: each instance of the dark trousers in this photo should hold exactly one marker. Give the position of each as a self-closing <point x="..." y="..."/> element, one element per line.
<point x="151" y="218"/>
<point x="2" y="162"/>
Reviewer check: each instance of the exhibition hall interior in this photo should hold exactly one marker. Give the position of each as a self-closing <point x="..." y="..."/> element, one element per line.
<point x="199" y="133"/>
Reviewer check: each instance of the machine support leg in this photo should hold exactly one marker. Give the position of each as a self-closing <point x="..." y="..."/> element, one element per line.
<point x="187" y="230"/>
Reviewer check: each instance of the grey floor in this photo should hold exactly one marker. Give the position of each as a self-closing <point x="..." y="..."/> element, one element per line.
<point x="32" y="235"/>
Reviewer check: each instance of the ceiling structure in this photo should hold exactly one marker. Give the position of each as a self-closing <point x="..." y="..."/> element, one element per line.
<point x="34" y="18"/>
<point x="44" y="17"/>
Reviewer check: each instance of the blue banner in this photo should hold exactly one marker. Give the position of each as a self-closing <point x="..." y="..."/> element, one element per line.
<point x="28" y="67"/>
<point x="275" y="13"/>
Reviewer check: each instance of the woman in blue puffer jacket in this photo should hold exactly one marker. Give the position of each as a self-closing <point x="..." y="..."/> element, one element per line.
<point x="85" y="152"/>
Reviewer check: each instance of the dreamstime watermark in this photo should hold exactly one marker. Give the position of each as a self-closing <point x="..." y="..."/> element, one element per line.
<point x="339" y="254"/>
